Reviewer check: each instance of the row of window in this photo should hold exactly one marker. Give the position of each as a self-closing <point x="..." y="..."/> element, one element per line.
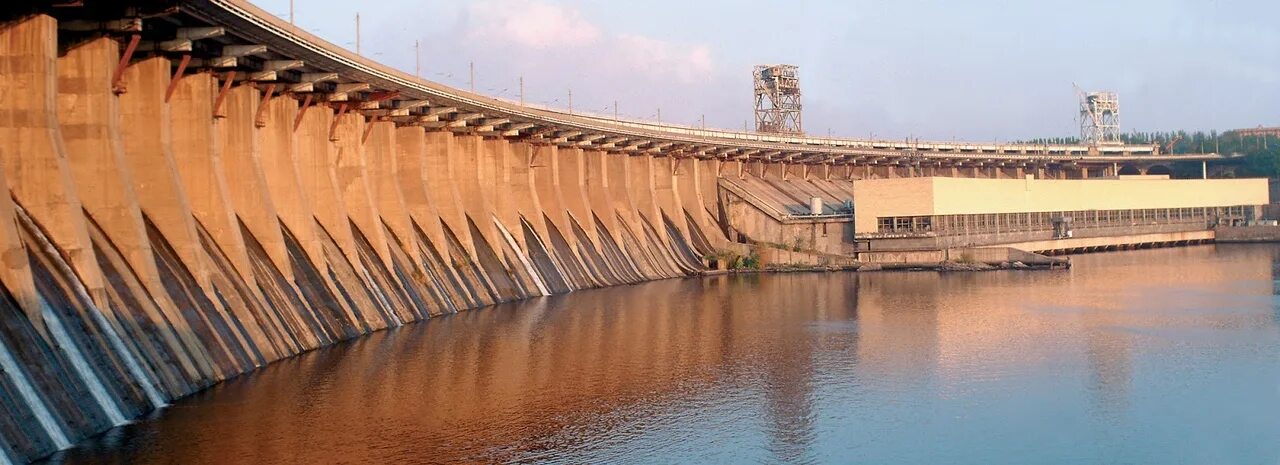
<point x="1036" y="221"/>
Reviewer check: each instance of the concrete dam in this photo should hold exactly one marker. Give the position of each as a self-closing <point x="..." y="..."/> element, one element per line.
<point x="199" y="190"/>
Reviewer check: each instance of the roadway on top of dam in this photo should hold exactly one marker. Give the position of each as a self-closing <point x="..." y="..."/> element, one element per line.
<point x="248" y="43"/>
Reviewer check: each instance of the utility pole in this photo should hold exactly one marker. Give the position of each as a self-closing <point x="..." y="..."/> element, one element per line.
<point x="417" y="60"/>
<point x="615" y="110"/>
<point x="571" y="101"/>
<point x="703" y="119"/>
<point x="472" y="66"/>
<point x="357" y="33"/>
<point x="659" y="115"/>
<point x="522" y="91"/>
<point x="290" y="11"/>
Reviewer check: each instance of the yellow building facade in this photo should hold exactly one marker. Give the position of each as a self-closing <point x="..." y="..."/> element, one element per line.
<point x="880" y="199"/>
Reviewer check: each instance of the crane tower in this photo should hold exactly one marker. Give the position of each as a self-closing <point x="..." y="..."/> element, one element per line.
<point x="777" y="93"/>
<point x="1099" y="117"/>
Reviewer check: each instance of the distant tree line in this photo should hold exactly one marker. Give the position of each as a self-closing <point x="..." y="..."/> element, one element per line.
<point x="1261" y="154"/>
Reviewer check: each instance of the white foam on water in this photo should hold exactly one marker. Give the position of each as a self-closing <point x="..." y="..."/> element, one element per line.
<point x="33" y="400"/>
<point x="537" y="280"/>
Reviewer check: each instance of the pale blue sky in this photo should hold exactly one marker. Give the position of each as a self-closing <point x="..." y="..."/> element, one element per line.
<point x="992" y="70"/>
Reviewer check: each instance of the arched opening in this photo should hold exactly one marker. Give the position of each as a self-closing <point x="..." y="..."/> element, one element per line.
<point x="1160" y="169"/>
<point x="1128" y="170"/>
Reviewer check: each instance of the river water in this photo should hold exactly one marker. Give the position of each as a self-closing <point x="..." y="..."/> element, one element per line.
<point x="1154" y="356"/>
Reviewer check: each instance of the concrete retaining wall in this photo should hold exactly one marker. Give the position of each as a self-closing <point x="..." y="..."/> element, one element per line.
<point x="1247" y="233"/>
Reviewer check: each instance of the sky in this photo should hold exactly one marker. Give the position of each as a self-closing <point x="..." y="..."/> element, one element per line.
<point x="934" y="70"/>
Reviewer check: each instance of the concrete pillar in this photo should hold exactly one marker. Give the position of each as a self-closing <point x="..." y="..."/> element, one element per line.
<point x="197" y="156"/>
<point x="601" y="202"/>
<point x="382" y="153"/>
<point x="472" y="169"/>
<point x="286" y="154"/>
<point x="31" y="148"/>
<point x="275" y="139"/>
<point x="497" y="186"/>
<point x="545" y="171"/>
<point x="15" y="270"/>
<point x="316" y="161"/>
<point x="668" y="197"/>
<point x="249" y="193"/>
<point x="90" y="116"/>
<point x="639" y="171"/>
<point x="354" y="184"/>
<point x="411" y="146"/>
<point x="630" y="228"/>
<point x="693" y="181"/>
<point x="148" y="151"/>
<point x="499" y="158"/>
<point x="442" y="191"/>
<point x="523" y="194"/>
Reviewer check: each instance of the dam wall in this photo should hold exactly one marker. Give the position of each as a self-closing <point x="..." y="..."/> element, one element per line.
<point x="167" y="231"/>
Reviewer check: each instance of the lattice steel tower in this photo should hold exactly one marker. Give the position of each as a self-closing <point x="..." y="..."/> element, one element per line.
<point x="777" y="99"/>
<point x="1099" y="117"/>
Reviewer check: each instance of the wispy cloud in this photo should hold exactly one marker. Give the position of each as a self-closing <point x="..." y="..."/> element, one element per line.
<point x="530" y="23"/>
<point x="529" y="28"/>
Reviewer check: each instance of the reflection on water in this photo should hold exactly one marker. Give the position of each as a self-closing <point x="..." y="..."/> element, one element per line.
<point x="1158" y="356"/>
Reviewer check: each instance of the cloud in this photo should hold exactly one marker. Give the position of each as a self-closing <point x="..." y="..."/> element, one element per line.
<point x="534" y="30"/>
<point x="643" y="54"/>
<point x="530" y="23"/>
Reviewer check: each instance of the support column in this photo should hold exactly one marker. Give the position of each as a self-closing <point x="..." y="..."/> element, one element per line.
<point x="631" y="229"/>
<point x="90" y="116"/>
<point x="411" y="147"/>
<point x="249" y="193"/>
<point x="354" y="184"/>
<point x="147" y="148"/>
<point x="31" y="149"/>
<point x="197" y="156"/>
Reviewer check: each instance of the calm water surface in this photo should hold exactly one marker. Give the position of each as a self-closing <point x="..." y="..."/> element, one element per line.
<point x="1158" y="356"/>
